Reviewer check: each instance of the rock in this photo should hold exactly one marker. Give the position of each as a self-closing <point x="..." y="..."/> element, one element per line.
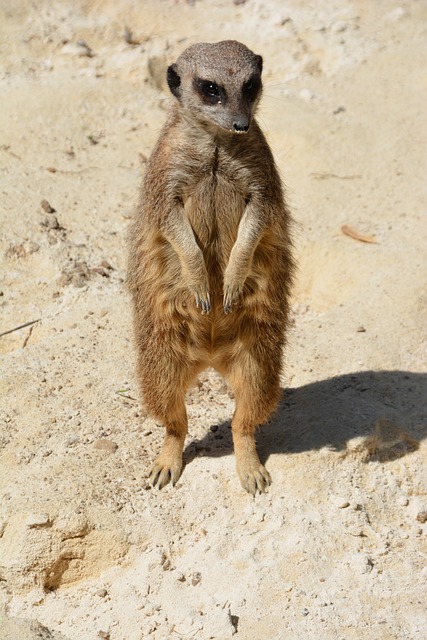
<point x="339" y="26"/>
<point x="361" y="563"/>
<point x="72" y="525"/>
<point x="130" y="38"/>
<point x="37" y="520"/>
<point x="71" y="440"/>
<point x="79" y="48"/>
<point x="50" y="222"/>
<point x="22" y="629"/>
<point x="219" y="623"/>
<point x="31" y="247"/>
<point x="307" y="95"/>
<point x="196" y="578"/>
<point x="421" y="517"/>
<point x="340" y="502"/>
<point x="47" y="207"/>
<point x="103" y="444"/>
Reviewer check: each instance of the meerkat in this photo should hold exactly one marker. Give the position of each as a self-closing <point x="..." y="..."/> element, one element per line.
<point x="210" y="259"/>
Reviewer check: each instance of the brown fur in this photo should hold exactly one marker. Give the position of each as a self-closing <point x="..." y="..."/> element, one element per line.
<point x="210" y="264"/>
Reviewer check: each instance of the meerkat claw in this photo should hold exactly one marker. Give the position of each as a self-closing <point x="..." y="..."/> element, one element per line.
<point x="231" y="297"/>
<point x="256" y="481"/>
<point x="206" y="305"/>
<point x="203" y="302"/>
<point x="160" y="475"/>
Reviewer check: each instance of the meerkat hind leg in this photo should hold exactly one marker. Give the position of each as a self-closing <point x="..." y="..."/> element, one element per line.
<point x="168" y="466"/>
<point x="254" y="477"/>
<point x="254" y="377"/>
<point x="256" y="391"/>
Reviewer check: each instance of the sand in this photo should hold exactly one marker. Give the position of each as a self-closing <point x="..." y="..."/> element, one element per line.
<point x="336" y="549"/>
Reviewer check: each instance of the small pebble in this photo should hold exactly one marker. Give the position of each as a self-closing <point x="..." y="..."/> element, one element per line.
<point x="101" y="271"/>
<point x="339" y="26"/>
<point x="47" y="207"/>
<point x="37" y="520"/>
<point x="129" y="37"/>
<point x="196" y="578"/>
<point x="361" y="329"/>
<point x="403" y="501"/>
<point x="51" y="222"/>
<point x="105" y="445"/>
<point x="340" y="503"/>
<point x="422" y="517"/>
<point x="71" y="440"/>
<point x="304" y="612"/>
<point x="307" y="95"/>
<point x="31" y="247"/>
<point x="80" y="48"/>
<point x="101" y="593"/>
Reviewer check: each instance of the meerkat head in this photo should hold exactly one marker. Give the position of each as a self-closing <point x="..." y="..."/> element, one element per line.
<point x="218" y="84"/>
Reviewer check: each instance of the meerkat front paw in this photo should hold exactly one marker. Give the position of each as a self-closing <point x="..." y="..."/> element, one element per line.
<point x="232" y="293"/>
<point x="203" y="300"/>
<point x="199" y="287"/>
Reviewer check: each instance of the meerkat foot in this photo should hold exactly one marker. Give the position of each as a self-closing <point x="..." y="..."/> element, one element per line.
<point x="254" y="477"/>
<point x="168" y="466"/>
<point x="163" y="472"/>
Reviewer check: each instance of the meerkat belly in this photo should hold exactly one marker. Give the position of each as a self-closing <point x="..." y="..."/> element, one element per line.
<point x="214" y="209"/>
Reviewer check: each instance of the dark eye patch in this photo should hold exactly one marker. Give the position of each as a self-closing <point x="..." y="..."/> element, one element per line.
<point x="251" y="87"/>
<point x="209" y="90"/>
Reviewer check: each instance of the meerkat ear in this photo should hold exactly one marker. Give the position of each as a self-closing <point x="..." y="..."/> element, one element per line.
<point x="259" y="63"/>
<point x="174" y="81"/>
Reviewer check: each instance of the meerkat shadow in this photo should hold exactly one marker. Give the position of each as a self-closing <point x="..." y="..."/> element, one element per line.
<point x="386" y="409"/>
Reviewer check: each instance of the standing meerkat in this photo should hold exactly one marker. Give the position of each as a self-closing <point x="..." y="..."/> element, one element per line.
<point x="210" y="264"/>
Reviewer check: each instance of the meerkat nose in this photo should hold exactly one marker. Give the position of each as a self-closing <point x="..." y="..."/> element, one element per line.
<point x="241" y="125"/>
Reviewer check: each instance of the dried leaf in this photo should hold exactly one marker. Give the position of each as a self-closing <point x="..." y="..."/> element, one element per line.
<point x="348" y="231"/>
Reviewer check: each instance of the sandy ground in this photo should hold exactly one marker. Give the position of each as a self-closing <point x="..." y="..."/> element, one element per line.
<point x="335" y="549"/>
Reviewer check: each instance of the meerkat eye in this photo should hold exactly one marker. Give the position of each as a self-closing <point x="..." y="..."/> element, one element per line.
<point x="251" y="88"/>
<point x="209" y="90"/>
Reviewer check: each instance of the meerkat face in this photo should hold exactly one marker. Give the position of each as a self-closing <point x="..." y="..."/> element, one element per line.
<point x="218" y="84"/>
